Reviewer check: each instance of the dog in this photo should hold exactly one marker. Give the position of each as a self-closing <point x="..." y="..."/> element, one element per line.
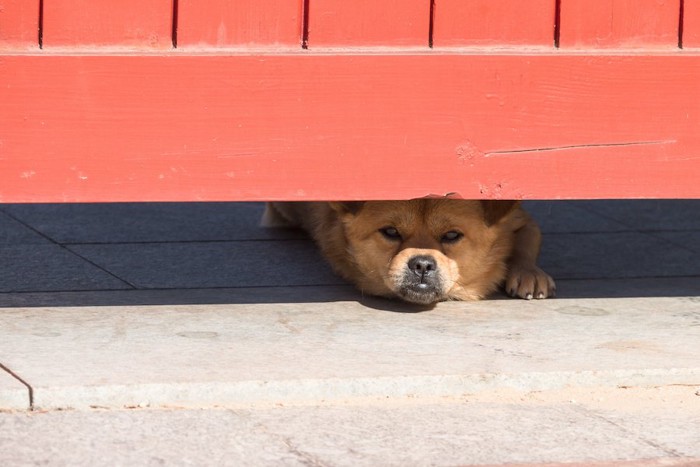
<point x="424" y="251"/>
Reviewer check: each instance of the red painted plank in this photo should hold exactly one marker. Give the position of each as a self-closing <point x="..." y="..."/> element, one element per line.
<point x="691" y="24"/>
<point x="127" y="23"/>
<point x="619" y="23"/>
<point x="224" y="23"/>
<point x="368" y="22"/>
<point x="493" y="23"/>
<point x="317" y="126"/>
<point x="19" y="24"/>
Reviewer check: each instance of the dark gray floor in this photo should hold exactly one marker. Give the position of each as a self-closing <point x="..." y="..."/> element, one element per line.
<point x="75" y="254"/>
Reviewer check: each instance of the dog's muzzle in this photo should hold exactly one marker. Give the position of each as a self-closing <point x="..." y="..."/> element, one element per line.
<point x="421" y="282"/>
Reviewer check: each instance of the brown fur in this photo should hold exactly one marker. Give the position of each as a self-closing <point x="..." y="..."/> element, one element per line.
<point x="499" y="243"/>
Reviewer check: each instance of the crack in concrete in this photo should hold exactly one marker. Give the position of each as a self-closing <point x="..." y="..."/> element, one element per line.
<point x="30" y="389"/>
<point x="638" y="436"/>
<point x="304" y="457"/>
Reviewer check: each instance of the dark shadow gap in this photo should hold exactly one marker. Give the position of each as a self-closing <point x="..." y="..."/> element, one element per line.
<point x="175" y="20"/>
<point x="643" y="287"/>
<point x="680" y="24"/>
<point x="431" y="24"/>
<point x="658" y="255"/>
<point x="41" y="24"/>
<point x="557" y="22"/>
<point x="305" y="25"/>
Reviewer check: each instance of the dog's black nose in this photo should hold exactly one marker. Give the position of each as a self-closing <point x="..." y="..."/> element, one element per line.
<point x="422" y="266"/>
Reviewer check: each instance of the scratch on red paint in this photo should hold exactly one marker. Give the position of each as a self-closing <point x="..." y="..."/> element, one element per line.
<point x="578" y="146"/>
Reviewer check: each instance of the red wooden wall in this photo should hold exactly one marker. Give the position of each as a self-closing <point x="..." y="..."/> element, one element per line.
<point x="184" y="100"/>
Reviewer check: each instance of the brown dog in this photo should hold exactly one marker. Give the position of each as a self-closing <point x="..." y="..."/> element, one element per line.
<point x="425" y="250"/>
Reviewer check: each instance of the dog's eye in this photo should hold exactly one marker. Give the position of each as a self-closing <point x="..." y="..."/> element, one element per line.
<point x="391" y="233"/>
<point x="451" y="237"/>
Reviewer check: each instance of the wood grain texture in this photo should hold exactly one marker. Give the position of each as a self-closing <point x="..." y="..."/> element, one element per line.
<point x="183" y="127"/>
<point x="619" y="23"/>
<point x="691" y="24"/>
<point x="493" y="23"/>
<point x="368" y="23"/>
<point x="125" y="23"/>
<point x="224" y="23"/>
<point x="19" y="24"/>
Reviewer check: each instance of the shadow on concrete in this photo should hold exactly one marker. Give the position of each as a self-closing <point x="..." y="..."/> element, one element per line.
<point x="567" y="289"/>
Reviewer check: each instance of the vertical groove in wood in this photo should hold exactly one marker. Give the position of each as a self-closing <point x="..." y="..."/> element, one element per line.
<point x="431" y="27"/>
<point x="557" y="23"/>
<point x="305" y="25"/>
<point x="40" y="28"/>
<point x="175" y="21"/>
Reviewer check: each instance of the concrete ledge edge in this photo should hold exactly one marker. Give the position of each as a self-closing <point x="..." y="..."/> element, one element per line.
<point x="318" y="391"/>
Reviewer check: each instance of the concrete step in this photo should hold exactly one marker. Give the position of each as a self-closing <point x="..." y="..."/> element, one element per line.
<point x="243" y="355"/>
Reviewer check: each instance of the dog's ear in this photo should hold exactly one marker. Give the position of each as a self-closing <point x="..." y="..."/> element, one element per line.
<point x="347" y="207"/>
<point x="497" y="209"/>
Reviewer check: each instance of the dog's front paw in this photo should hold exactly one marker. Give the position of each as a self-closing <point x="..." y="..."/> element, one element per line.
<point x="529" y="282"/>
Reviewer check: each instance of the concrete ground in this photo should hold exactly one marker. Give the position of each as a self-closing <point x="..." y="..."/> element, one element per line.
<point x="184" y="334"/>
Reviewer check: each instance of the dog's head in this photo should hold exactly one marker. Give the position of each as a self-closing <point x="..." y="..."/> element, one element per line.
<point x="428" y="250"/>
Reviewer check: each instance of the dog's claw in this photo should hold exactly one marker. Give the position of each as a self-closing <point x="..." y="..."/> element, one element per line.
<point x="529" y="282"/>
